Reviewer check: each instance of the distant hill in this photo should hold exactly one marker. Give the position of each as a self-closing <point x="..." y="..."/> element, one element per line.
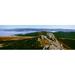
<point x="35" y="29"/>
<point x="69" y="35"/>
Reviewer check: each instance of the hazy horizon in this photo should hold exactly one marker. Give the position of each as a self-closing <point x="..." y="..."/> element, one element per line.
<point x="38" y="26"/>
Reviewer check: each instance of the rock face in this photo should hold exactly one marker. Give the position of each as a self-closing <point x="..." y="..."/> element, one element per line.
<point x="50" y="42"/>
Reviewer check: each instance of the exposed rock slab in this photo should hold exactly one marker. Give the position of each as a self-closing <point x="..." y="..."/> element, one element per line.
<point x="50" y="42"/>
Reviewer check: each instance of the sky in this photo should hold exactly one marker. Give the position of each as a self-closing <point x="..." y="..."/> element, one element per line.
<point x="38" y="26"/>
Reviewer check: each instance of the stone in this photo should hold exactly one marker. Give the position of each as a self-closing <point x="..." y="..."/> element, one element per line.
<point x="50" y="42"/>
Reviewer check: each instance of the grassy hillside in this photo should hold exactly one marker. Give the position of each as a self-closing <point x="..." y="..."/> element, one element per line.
<point x="69" y="42"/>
<point x="33" y="34"/>
<point x="21" y="44"/>
<point x="68" y="38"/>
<point x="68" y="35"/>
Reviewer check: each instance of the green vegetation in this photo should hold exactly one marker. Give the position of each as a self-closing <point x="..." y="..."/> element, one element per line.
<point x="21" y="44"/>
<point x="33" y="34"/>
<point x="67" y="35"/>
<point x="67" y="38"/>
<point x="69" y="42"/>
<point x="24" y="44"/>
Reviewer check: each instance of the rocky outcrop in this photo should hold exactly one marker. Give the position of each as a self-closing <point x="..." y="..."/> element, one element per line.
<point x="50" y="42"/>
<point x="40" y="40"/>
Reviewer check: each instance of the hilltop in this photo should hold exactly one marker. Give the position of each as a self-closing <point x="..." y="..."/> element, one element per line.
<point x="38" y="40"/>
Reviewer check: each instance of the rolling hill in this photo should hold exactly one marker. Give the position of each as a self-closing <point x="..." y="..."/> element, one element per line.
<point x="43" y="40"/>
